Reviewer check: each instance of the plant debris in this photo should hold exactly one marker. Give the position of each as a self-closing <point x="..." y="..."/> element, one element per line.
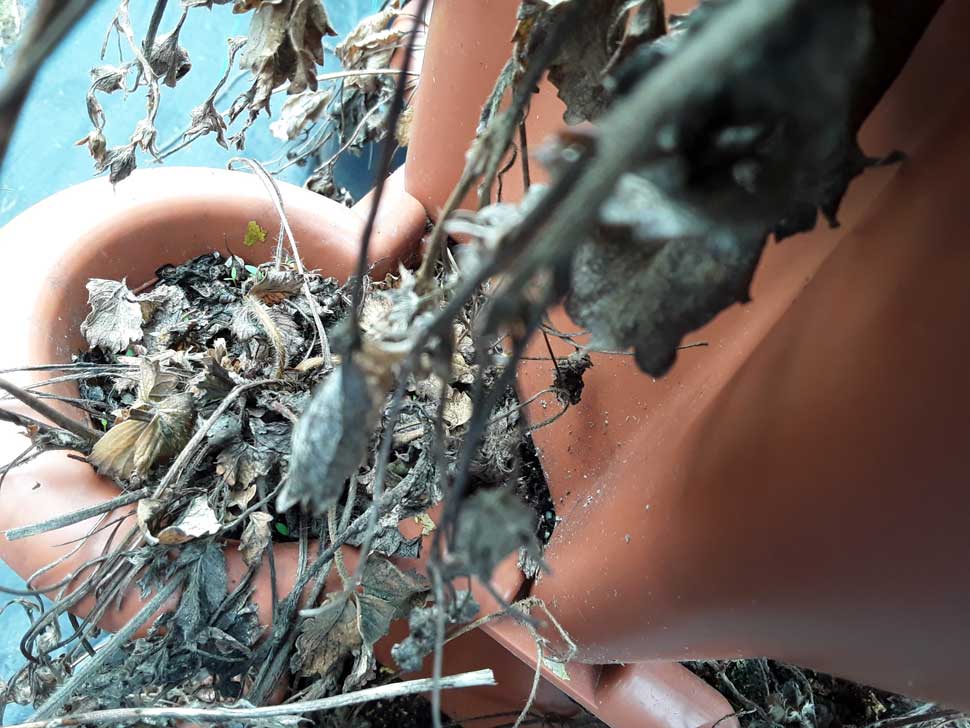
<point x="210" y="394"/>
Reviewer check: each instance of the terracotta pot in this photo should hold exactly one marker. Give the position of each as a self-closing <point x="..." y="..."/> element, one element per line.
<point x="797" y="489"/>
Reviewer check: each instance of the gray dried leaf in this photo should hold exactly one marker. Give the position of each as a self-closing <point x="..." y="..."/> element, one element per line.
<point x="606" y="31"/>
<point x="205" y="591"/>
<point x="493" y="523"/>
<point x="401" y="589"/>
<point x="197" y="521"/>
<point x="760" y="152"/>
<point x="255" y="537"/>
<point x="115" y="319"/>
<point x="119" y="161"/>
<point x="330" y="439"/>
<point x="170" y="61"/>
<point x="240" y="465"/>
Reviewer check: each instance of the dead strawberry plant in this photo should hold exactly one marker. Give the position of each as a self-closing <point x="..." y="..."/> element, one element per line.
<point x="240" y="404"/>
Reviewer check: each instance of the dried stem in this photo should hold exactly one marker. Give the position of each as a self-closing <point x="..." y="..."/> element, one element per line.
<point x="77" y="516"/>
<point x="477" y="678"/>
<point x="383" y="170"/>
<point x="45" y="410"/>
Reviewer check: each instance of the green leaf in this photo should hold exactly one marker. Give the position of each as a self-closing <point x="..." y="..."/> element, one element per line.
<point x="254" y="234"/>
<point x="282" y="529"/>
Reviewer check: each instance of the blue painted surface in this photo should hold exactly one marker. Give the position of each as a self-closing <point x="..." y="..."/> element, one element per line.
<point x="42" y="158"/>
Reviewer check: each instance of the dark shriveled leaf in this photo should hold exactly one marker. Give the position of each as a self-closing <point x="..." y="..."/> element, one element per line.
<point x="760" y="152"/>
<point x="492" y="524"/>
<point x="330" y="439"/>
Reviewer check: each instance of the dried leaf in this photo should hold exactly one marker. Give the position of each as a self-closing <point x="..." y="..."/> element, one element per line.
<point x="115" y="319"/>
<point x="154" y="384"/>
<point x="371" y="45"/>
<point x="492" y="524"/>
<point x="679" y="240"/>
<point x="241" y="464"/>
<point x="458" y="408"/>
<point x="133" y="446"/>
<point x="330" y="439"/>
<point x="276" y="286"/>
<point x="299" y="112"/>
<point x="167" y="432"/>
<point x="114" y="454"/>
<point x="327" y="638"/>
<point x="170" y="61"/>
<point x="198" y="520"/>
<point x="119" y="161"/>
<point x="285" y="44"/>
<point x="400" y="589"/>
<point x="255" y="537"/>
<point x="607" y="31"/>
<point x="147" y="511"/>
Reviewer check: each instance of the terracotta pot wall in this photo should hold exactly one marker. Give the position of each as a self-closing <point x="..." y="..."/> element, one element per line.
<point x="771" y="495"/>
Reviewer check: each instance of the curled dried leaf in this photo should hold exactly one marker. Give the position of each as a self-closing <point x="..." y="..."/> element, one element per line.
<point x="255" y="537"/>
<point x="197" y="521"/>
<point x="285" y="44"/>
<point x="170" y="61"/>
<point x="299" y="112"/>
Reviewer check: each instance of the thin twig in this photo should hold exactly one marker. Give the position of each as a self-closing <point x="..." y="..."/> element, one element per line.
<point x="535" y="684"/>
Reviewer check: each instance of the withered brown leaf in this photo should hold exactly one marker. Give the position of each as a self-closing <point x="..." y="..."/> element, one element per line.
<point x="255" y="537"/>
<point x="133" y="446"/>
<point x="276" y="286"/>
<point x="285" y="44"/>
<point x="328" y="637"/>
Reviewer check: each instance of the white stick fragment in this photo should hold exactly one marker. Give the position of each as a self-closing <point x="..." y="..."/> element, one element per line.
<point x="477" y="678"/>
